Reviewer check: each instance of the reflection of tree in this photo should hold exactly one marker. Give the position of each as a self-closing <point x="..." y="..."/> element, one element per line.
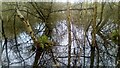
<point x="5" y="43"/>
<point x="49" y="22"/>
<point x="69" y="33"/>
<point x="93" y="35"/>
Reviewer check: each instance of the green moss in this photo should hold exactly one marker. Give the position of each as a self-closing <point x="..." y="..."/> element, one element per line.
<point x="114" y="36"/>
<point x="45" y="43"/>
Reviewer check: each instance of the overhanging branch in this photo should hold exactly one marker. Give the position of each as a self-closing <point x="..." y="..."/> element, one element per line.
<point x="72" y="9"/>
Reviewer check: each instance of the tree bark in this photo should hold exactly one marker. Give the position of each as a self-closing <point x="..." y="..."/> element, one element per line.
<point x="69" y="33"/>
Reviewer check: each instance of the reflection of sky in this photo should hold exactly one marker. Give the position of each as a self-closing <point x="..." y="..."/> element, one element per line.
<point x="60" y="50"/>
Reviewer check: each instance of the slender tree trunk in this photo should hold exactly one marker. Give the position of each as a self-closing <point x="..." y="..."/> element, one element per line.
<point x="37" y="57"/>
<point x="31" y="33"/>
<point x="0" y="51"/>
<point x="98" y="55"/>
<point x="16" y="42"/>
<point x="0" y="35"/>
<point x="93" y="35"/>
<point x="5" y="43"/>
<point x="92" y="56"/>
<point x="85" y="21"/>
<point x="69" y="33"/>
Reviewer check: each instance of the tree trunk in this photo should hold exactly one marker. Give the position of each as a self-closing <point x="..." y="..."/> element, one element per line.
<point x="31" y="33"/>
<point x="93" y="35"/>
<point x="0" y="37"/>
<point x="69" y="33"/>
<point x="37" y="57"/>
